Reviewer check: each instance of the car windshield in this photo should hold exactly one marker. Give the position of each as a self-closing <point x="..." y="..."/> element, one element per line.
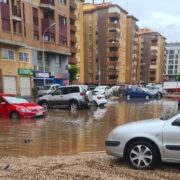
<point x="47" y="87"/>
<point x="15" y="100"/>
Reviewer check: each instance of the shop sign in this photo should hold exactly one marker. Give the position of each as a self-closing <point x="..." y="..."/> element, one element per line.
<point x="41" y="75"/>
<point x="22" y="71"/>
<point x="62" y="76"/>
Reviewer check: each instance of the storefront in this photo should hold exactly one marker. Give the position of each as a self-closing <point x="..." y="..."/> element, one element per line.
<point x="62" y="79"/>
<point x="39" y="76"/>
<point x="25" y="83"/>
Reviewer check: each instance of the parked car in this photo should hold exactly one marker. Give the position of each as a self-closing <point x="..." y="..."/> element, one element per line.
<point x="72" y="97"/>
<point x="15" y="107"/>
<point x="145" y="143"/>
<point x="137" y="92"/>
<point x="98" y="98"/>
<point x="48" y="89"/>
<point x="106" y="90"/>
<point x="159" y="90"/>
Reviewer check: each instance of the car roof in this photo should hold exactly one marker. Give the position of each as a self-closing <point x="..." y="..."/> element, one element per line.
<point x="7" y="94"/>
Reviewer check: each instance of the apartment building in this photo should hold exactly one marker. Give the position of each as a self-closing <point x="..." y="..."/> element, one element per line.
<point x="151" y="56"/>
<point x="105" y="27"/>
<point x="132" y="55"/>
<point x="77" y="38"/>
<point x="31" y="31"/>
<point x="172" y="62"/>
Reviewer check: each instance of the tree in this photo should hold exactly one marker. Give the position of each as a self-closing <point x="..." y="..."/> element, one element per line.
<point x="73" y="70"/>
<point x="178" y="77"/>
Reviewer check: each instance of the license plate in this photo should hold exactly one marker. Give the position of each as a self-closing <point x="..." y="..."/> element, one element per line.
<point x="39" y="114"/>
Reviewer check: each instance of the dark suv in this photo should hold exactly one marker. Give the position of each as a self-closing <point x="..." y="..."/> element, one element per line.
<point x="73" y="97"/>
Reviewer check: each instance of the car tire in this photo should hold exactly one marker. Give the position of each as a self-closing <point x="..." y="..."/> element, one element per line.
<point x="142" y="155"/>
<point x="14" y="115"/>
<point x="73" y="105"/>
<point x="45" y="105"/>
<point x="94" y="103"/>
<point x="147" y="97"/>
<point x="128" y="97"/>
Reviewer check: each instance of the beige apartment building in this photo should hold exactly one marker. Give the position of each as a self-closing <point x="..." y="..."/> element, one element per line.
<point x="105" y="28"/>
<point x="132" y="54"/>
<point x="151" y="58"/>
<point x="77" y="38"/>
<point x="25" y="26"/>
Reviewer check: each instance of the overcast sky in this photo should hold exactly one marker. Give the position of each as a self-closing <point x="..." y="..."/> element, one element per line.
<point x="159" y="15"/>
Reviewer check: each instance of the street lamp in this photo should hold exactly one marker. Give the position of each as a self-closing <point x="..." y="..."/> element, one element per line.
<point x="53" y="24"/>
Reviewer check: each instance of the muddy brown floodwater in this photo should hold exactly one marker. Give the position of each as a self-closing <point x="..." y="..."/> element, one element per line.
<point x="29" y="148"/>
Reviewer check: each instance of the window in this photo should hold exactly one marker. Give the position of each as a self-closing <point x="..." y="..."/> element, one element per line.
<point x="23" y="57"/>
<point x="171" y="56"/>
<point x="58" y="61"/>
<point x="63" y="20"/>
<point x="3" y="1"/>
<point x="8" y="54"/>
<point x="62" y="1"/>
<point x="171" y="51"/>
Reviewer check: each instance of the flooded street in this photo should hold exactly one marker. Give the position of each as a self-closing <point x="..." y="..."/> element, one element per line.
<point x="64" y="133"/>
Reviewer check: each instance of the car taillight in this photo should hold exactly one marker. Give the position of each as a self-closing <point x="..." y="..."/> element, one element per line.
<point x="82" y="94"/>
<point x="99" y="97"/>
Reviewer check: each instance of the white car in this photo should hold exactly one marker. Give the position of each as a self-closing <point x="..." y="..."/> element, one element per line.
<point x="98" y="98"/>
<point x="48" y="89"/>
<point x="145" y="143"/>
<point x="106" y="90"/>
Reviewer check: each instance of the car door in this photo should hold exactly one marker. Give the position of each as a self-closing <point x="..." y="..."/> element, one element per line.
<point x="171" y="139"/>
<point x="56" y="99"/>
<point x="4" y="108"/>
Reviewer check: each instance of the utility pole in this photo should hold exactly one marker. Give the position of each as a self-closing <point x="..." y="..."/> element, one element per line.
<point x="99" y="71"/>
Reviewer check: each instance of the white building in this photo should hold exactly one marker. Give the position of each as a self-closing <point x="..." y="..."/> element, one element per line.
<point x="172" y="62"/>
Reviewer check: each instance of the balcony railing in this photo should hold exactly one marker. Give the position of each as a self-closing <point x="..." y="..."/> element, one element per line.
<point x="114" y="15"/>
<point x="73" y="50"/>
<point x="113" y="34"/>
<point x="73" y="60"/>
<point x="114" y="72"/>
<point x="113" y="54"/>
<point x="16" y="11"/>
<point x="113" y="25"/>
<point x="113" y="44"/>
<point x="112" y="81"/>
<point x="73" y="27"/>
<point x="48" y="2"/>
<point x="73" y="16"/>
<point x="73" y="4"/>
<point x="112" y="63"/>
<point x="73" y="38"/>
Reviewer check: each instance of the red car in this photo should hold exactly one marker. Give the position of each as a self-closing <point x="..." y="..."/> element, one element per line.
<point x="15" y="107"/>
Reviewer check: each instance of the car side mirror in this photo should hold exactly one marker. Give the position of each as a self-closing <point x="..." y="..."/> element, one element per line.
<point x="176" y="122"/>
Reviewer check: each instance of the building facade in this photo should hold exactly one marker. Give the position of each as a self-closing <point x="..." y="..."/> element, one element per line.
<point x="132" y="55"/>
<point x="172" y="62"/>
<point x="30" y="32"/>
<point x="105" y="27"/>
<point x="151" y="56"/>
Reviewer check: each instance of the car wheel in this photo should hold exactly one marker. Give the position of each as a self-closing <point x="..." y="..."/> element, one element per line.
<point x="15" y="115"/>
<point x="128" y="97"/>
<point x="94" y="103"/>
<point x="73" y="105"/>
<point x="45" y="105"/>
<point x="147" y="97"/>
<point x="142" y="155"/>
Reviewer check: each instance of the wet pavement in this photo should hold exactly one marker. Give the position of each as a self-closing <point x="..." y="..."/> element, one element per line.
<point x="63" y="132"/>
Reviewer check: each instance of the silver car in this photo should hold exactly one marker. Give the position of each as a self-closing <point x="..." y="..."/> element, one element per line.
<point x="145" y="143"/>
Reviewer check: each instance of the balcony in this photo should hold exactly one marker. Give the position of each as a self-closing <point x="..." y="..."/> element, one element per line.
<point x="51" y="32"/>
<point x="113" y="25"/>
<point x="72" y="60"/>
<point x="73" y="16"/>
<point x="112" y="63"/>
<point x="113" y="44"/>
<point x="47" y="4"/>
<point x="114" y="15"/>
<point x="112" y="81"/>
<point x="16" y="11"/>
<point x="73" y="4"/>
<point x="73" y="50"/>
<point x="113" y="54"/>
<point x="73" y="38"/>
<point x="112" y="72"/>
<point x="73" y="28"/>
<point x="113" y="34"/>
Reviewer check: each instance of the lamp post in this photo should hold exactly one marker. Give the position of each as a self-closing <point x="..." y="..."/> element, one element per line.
<point x="44" y="78"/>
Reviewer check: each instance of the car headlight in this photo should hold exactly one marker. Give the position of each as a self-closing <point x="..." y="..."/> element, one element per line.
<point x="25" y="110"/>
